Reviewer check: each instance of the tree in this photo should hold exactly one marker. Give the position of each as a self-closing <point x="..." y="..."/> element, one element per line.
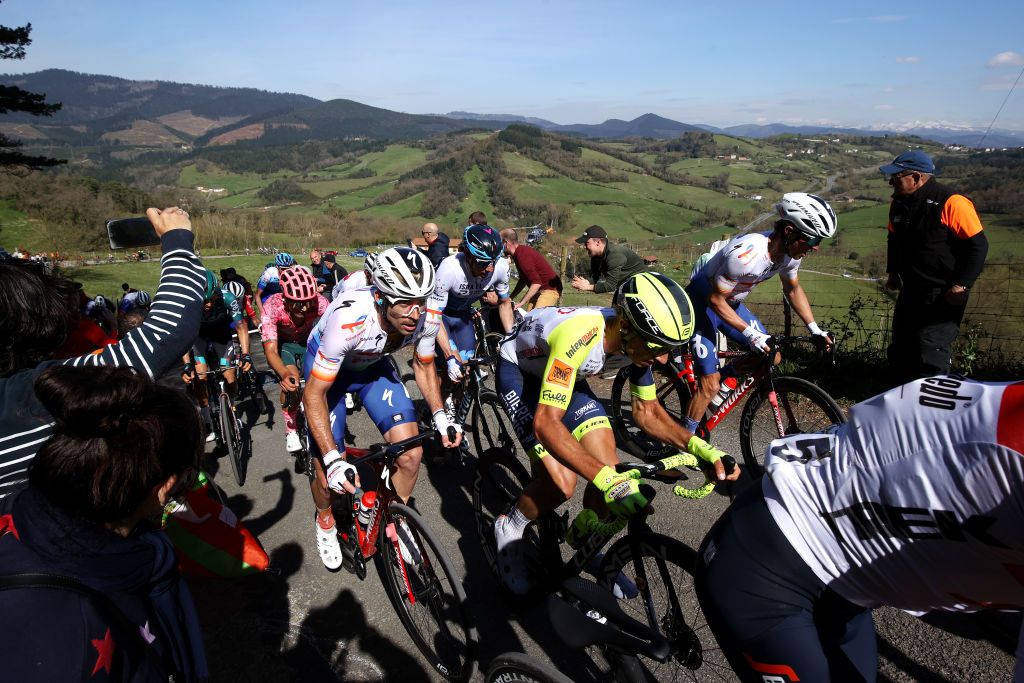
<point x="13" y="42"/>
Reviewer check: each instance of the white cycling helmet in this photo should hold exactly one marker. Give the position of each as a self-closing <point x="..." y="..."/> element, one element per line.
<point x="236" y="289"/>
<point x="809" y="214"/>
<point x="369" y="262"/>
<point x="403" y="273"/>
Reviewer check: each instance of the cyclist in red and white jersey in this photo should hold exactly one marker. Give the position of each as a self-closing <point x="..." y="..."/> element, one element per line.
<point x="917" y="502"/>
<point x="719" y="287"/>
<point x="347" y="352"/>
<point x="288" y="318"/>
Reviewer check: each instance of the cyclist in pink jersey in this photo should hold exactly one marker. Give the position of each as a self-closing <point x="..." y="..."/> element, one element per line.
<point x="288" y="318"/>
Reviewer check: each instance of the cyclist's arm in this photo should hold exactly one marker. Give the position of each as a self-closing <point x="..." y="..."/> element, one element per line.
<point x="719" y="303"/>
<point x="428" y="381"/>
<point x="273" y="356"/>
<point x="580" y="335"/>
<point x="433" y="330"/>
<point x="798" y="299"/>
<point x="506" y="313"/>
<point x="238" y="323"/>
<point x="318" y="415"/>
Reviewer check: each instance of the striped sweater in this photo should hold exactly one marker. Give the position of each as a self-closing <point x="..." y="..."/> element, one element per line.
<point x="152" y="348"/>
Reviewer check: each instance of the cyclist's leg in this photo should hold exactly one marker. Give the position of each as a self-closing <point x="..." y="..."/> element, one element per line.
<point x="388" y="404"/>
<point x="318" y="485"/>
<point x="588" y="422"/>
<point x="290" y="353"/>
<point x="225" y="352"/>
<point x="784" y="622"/>
<point x="461" y="342"/>
<point x="705" y="354"/>
<point x="199" y="353"/>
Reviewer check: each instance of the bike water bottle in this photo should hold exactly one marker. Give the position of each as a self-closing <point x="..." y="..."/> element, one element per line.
<point x="728" y="386"/>
<point x="366" y="505"/>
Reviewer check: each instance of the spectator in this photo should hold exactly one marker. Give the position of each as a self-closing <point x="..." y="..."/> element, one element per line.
<point x="437" y="243"/>
<point x="39" y="309"/>
<point x="610" y="264"/>
<point x="127" y="289"/>
<point x="543" y="286"/>
<point x="937" y="250"/>
<point x="332" y="274"/>
<point x="135" y="445"/>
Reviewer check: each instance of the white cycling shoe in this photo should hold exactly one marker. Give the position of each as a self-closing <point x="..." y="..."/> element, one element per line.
<point x="511" y="563"/>
<point x="292" y="442"/>
<point x="327" y="544"/>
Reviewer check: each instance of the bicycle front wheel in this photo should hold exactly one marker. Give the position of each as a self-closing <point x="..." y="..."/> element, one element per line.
<point x="802" y="408"/>
<point x="661" y="568"/>
<point x="516" y="667"/>
<point x="490" y="425"/>
<point x="426" y="593"/>
<point x="232" y="438"/>
<point x="672" y="393"/>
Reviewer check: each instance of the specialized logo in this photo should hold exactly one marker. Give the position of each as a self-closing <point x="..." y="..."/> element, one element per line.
<point x="581" y="342"/>
<point x="560" y="374"/>
<point x="386" y="396"/>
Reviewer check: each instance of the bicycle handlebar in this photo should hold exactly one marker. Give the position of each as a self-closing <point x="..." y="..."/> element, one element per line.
<point x="657" y="470"/>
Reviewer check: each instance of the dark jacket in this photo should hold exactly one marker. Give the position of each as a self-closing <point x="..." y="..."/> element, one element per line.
<point x="935" y="239"/>
<point x="617" y="263"/>
<point x="438" y="251"/>
<point x="65" y="636"/>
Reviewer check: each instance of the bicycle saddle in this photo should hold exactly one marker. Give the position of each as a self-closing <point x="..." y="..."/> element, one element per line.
<point x="621" y="631"/>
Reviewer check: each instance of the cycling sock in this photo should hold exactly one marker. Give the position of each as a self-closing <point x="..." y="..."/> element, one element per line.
<point x="518" y="520"/>
<point x="289" y="421"/>
<point x="690" y="423"/>
<point x="327" y="522"/>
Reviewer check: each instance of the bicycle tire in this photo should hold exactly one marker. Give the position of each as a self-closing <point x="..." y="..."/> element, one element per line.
<point x="490" y="425"/>
<point x="806" y="408"/>
<point x="436" y="619"/>
<point x="232" y="438"/>
<point x="673" y="394"/>
<point x="662" y="570"/>
<point x="517" y="667"/>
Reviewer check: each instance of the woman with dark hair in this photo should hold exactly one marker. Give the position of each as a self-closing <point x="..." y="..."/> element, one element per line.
<point x="122" y="447"/>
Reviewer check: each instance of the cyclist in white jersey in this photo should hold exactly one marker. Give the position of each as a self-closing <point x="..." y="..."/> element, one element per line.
<point x="357" y="279"/>
<point x="347" y="352"/>
<point x="917" y="502"/>
<point x="720" y="286"/>
<point x="462" y="279"/>
<point x="541" y="379"/>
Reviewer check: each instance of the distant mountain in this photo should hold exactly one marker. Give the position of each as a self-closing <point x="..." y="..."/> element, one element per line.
<point x="158" y="113"/>
<point x="646" y="126"/>
<point x="505" y="118"/>
<point x="952" y="135"/>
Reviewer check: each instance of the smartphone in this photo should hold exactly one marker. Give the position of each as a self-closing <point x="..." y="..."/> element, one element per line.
<point x="126" y="233"/>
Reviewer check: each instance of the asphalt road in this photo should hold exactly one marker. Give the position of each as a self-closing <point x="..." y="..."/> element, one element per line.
<point x="304" y="623"/>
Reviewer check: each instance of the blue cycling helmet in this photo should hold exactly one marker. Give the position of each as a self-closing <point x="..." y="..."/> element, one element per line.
<point x="482" y="242"/>
<point x="284" y="260"/>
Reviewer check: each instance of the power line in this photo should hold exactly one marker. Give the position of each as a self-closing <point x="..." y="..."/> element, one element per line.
<point x="1005" y="100"/>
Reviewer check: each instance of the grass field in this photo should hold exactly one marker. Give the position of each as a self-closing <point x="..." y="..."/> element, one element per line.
<point x="17" y="230"/>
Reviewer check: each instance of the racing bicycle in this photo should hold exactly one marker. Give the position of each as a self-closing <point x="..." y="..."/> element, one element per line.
<point x="777" y="405"/>
<point x="227" y="428"/>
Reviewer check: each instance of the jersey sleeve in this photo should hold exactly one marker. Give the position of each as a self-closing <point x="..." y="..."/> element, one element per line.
<point x="234" y="308"/>
<point x="435" y="305"/>
<point x="501" y="279"/>
<point x="271" y="312"/>
<point x="570" y="343"/>
<point x="790" y="269"/>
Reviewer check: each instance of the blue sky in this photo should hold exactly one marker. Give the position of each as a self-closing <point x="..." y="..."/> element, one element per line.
<point x="721" y="63"/>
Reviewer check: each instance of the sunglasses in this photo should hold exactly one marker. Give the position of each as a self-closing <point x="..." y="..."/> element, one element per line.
<point x="410" y="306"/>
<point x="811" y="241"/>
<point x="629" y="334"/>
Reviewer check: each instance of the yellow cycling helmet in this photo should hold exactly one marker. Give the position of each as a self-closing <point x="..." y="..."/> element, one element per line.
<point x="657" y="308"/>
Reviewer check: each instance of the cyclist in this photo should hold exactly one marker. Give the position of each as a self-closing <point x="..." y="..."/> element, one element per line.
<point x="916" y="502"/>
<point x="347" y="352"/>
<point x="270" y="281"/>
<point x="560" y="421"/>
<point x="134" y="299"/>
<point x="288" y="318"/>
<point x="719" y="287"/>
<point x="221" y="315"/>
<point x="462" y="279"/>
<point x="357" y="279"/>
<point x="244" y="299"/>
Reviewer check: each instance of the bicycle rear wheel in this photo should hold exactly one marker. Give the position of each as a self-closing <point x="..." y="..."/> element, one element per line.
<point x="673" y="394"/>
<point x="803" y="408"/>
<point x="428" y="596"/>
<point x="232" y="437"/>
<point x="490" y="425"/>
<point x="662" y="569"/>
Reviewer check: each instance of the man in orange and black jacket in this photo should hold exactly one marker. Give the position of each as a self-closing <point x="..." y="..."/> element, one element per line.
<point x="937" y="249"/>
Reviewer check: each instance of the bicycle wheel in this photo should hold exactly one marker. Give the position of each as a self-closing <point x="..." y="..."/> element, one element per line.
<point x="232" y="437"/>
<point x="662" y="569"/>
<point x="516" y="667"/>
<point x="428" y="596"/>
<point x="803" y="408"/>
<point x="490" y="425"/>
<point x="673" y="394"/>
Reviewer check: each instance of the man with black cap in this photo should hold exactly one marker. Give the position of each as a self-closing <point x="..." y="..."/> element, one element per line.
<point x="330" y="275"/>
<point x="610" y="264"/>
<point x="937" y="249"/>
